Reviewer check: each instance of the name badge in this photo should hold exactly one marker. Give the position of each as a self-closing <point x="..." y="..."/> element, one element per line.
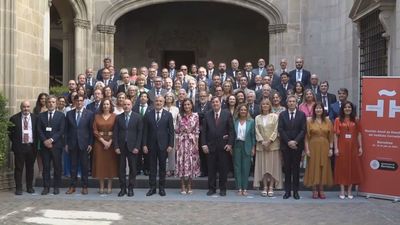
<point x="347" y="136"/>
<point x="25" y="132"/>
<point x="49" y="129"/>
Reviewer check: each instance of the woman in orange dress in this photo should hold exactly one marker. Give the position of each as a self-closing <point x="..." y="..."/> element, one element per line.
<point x="105" y="164"/>
<point x="318" y="147"/>
<point x="348" y="150"/>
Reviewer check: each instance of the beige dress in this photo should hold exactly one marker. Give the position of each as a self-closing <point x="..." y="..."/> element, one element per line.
<point x="267" y="160"/>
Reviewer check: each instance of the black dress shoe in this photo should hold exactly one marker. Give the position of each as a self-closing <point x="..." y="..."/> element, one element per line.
<point x="122" y="192"/>
<point x="210" y="192"/>
<point x="18" y="192"/>
<point x="161" y="192"/>
<point x="56" y="191"/>
<point x="151" y="192"/>
<point x="222" y="193"/>
<point x="286" y="195"/>
<point x="45" y="191"/>
<point x="296" y="195"/>
<point x="130" y="193"/>
<point x="30" y="190"/>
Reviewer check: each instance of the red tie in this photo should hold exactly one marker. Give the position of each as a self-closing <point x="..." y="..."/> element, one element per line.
<point x="26" y="134"/>
<point x="216" y="118"/>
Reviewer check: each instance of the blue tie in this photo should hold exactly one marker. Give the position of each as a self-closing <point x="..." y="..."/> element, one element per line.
<point x="126" y="120"/>
<point x="78" y="118"/>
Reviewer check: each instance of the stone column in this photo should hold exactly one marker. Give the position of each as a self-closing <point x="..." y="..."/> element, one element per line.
<point x="106" y="41"/>
<point x="7" y="51"/>
<point x="276" y="43"/>
<point x="82" y="45"/>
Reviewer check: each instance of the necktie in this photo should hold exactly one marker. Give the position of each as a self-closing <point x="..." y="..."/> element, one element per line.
<point x="126" y="120"/>
<point x="26" y="134"/>
<point x="126" y="87"/>
<point x="141" y="110"/>
<point x="216" y="118"/>
<point x="291" y="116"/>
<point x="251" y="109"/>
<point x="158" y="92"/>
<point x="261" y="70"/>
<point x="298" y="77"/>
<point x="106" y="82"/>
<point x="158" y="116"/>
<point x="325" y="101"/>
<point x="78" y="117"/>
<point x="50" y="118"/>
<point x="97" y="105"/>
<point x="191" y="94"/>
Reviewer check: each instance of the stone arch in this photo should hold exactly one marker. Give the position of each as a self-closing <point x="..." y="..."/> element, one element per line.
<point x="80" y="9"/>
<point x="264" y="8"/>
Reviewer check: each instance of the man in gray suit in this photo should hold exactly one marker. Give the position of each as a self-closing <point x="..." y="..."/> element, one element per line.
<point x="260" y="70"/>
<point x="157" y="90"/>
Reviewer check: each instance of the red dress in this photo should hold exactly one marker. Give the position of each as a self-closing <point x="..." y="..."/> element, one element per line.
<point x="348" y="163"/>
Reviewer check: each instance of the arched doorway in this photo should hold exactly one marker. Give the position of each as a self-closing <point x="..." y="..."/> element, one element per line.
<point x="190" y="32"/>
<point x="277" y="23"/>
<point x="61" y="35"/>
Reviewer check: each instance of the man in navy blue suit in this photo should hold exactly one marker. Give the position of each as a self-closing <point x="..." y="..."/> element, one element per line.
<point x="79" y="141"/>
<point x="158" y="141"/>
<point x="127" y="137"/>
<point x="334" y="110"/>
<point x="50" y="128"/>
<point x="292" y="130"/>
<point x="300" y="74"/>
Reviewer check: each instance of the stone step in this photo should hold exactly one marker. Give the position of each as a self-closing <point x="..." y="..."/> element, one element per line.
<point x="171" y="182"/>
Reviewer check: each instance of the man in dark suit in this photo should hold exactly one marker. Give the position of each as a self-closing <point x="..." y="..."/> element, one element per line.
<point x="222" y="72"/>
<point x="275" y="79"/>
<point x="171" y="69"/>
<point x="50" y="128"/>
<point x="217" y="136"/>
<point x="292" y="129"/>
<point x="90" y="80"/>
<point x="201" y="108"/>
<point x="125" y="83"/>
<point x="95" y="105"/>
<point x="325" y="97"/>
<point x="157" y="90"/>
<point x="23" y="137"/>
<point x="211" y="71"/>
<point x="300" y="74"/>
<point x="254" y="109"/>
<point x="106" y="79"/>
<point x="107" y="64"/>
<point x="127" y="137"/>
<point x="202" y="76"/>
<point x="142" y="107"/>
<point x="284" y="87"/>
<point x="248" y="72"/>
<point x="232" y="72"/>
<point x="334" y="110"/>
<point x="313" y="85"/>
<point x="79" y="139"/>
<point x="158" y="141"/>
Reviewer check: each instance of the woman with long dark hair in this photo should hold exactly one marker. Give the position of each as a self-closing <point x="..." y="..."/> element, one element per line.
<point x="318" y="148"/>
<point x="348" y="150"/>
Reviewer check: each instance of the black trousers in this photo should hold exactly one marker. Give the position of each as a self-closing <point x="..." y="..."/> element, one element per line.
<point x="218" y="161"/>
<point x="79" y="156"/>
<point x="132" y="159"/>
<point x="203" y="160"/>
<point x="291" y="159"/>
<point x="158" y="157"/>
<point x="25" y="157"/>
<point x="51" y="156"/>
<point x="143" y="161"/>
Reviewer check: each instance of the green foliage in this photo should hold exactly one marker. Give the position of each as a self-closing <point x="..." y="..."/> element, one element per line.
<point x="58" y="90"/>
<point x="4" y="123"/>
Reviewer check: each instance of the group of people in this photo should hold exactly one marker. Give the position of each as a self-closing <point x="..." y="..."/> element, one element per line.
<point x="204" y="121"/>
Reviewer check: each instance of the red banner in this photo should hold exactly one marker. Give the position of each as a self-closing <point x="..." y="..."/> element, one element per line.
<point x="380" y="122"/>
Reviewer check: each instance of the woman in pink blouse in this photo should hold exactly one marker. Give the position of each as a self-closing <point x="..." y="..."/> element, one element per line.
<point x="309" y="101"/>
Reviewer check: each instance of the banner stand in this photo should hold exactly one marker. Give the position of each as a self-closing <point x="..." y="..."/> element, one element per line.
<point x="395" y="199"/>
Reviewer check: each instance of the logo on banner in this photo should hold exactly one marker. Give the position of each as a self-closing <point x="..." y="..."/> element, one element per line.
<point x="379" y="107"/>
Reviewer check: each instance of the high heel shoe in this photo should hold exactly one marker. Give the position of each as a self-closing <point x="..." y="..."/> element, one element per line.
<point x="315" y="195"/>
<point x="321" y="195"/>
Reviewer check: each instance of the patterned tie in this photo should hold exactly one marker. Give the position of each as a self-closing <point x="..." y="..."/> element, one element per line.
<point x="216" y="119"/>
<point x="158" y="116"/>
<point x="126" y="120"/>
<point x="26" y="134"/>
<point x="141" y="110"/>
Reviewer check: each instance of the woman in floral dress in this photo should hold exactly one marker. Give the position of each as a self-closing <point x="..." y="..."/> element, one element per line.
<point x="187" y="151"/>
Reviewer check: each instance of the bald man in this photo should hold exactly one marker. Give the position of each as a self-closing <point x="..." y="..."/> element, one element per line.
<point x="23" y="138"/>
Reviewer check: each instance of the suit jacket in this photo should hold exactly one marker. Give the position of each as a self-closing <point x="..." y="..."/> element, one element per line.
<point x="331" y="98"/>
<point x="276" y="82"/>
<point x="334" y="110"/>
<point x="161" y="132"/>
<point x="283" y="92"/>
<point x="152" y="93"/>
<point x="136" y="108"/>
<point x="250" y="137"/>
<point x="113" y="84"/>
<point x="15" y="131"/>
<point x="57" y="128"/>
<point x="208" y="81"/>
<point x="92" y="107"/>
<point x="202" y="111"/>
<point x="305" y="79"/>
<point x="292" y="130"/>
<point x="214" y="72"/>
<point x="256" y="110"/>
<point x="99" y="75"/>
<point x="132" y="134"/>
<point x="315" y="93"/>
<point x="256" y="71"/>
<point x="79" y="135"/>
<point x="121" y="88"/>
<point x="230" y="72"/>
<point x="212" y="135"/>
